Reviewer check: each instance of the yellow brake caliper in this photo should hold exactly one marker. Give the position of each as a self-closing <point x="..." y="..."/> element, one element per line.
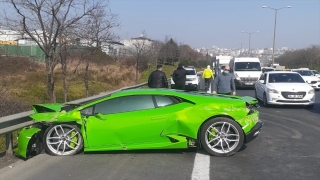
<point x="74" y="139"/>
<point x="213" y="133"/>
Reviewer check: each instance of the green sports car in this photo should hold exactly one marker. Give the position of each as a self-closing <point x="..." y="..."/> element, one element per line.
<point x="143" y="119"/>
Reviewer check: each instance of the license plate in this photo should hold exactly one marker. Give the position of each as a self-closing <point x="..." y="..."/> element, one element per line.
<point x="295" y="96"/>
<point x="248" y="83"/>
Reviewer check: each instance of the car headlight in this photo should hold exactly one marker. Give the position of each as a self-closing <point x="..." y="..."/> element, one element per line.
<point x="236" y="76"/>
<point x="311" y="91"/>
<point x="272" y="91"/>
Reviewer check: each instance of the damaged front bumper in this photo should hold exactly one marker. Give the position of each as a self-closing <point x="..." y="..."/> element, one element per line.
<point x="29" y="140"/>
<point x="254" y="132"/>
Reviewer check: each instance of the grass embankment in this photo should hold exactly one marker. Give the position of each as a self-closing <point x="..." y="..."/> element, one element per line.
<point x="23" y="83"/>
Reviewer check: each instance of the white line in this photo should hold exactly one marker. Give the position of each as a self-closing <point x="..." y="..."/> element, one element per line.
<point x="201" y="167"/>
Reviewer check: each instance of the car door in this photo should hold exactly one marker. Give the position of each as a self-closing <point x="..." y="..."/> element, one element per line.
<point x="260" y="86"/>
<point x="125" y="120"/>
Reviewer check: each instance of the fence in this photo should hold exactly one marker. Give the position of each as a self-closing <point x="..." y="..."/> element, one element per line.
<point x="10" y="123"/>
<point x="28" y="51"/>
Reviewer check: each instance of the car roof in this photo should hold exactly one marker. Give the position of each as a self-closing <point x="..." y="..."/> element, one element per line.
<point x="281" y="72"/>
<point x="300" y="70"/>
<point x="189" y="68"/>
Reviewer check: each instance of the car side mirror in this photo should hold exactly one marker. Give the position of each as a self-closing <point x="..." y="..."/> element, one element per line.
<point x="262" y="81"/>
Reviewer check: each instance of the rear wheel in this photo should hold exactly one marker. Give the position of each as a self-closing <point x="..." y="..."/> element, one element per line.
<point x="221" y="136"/>
<point x="63" y="139"/>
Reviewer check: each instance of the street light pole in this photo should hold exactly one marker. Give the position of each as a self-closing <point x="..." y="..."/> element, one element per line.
<point x="241" y="46"/>
<point x="249" y="39"/>
<point x="274" y="29"/>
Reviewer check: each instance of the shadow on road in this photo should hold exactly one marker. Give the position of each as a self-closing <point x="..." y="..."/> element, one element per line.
<point x="315" y="109"/>
<point x="171" y="151"/>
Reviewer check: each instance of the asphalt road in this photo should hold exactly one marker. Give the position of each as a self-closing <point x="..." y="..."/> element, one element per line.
<point x="287" y="148"/>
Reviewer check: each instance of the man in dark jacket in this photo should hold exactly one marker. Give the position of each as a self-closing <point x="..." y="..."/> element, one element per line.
<point x="179" y="77"/>
<point x="158" y="79"/>
<point x="224" y="83"/>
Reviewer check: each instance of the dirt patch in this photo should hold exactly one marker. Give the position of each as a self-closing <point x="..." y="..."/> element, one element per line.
<point x="7" y="160"/>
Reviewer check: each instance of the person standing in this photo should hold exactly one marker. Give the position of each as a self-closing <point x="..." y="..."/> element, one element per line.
<point x="208" y="76"/>
<point x="224" y="83"/>
<point x="158" y="79"/>
<point x="179" y="77"/>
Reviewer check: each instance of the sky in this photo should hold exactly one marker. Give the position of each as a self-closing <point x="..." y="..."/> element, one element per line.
<point x="207" y="23"/>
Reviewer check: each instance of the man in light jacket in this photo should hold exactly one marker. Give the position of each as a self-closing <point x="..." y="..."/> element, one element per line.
<point x="224" y="83"/>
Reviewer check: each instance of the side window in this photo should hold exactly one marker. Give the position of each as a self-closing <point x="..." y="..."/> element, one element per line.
<point x="165" y="100"/>
<point x="125" y="104"/>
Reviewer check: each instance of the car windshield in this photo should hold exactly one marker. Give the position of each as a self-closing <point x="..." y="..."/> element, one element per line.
<point x="285" y="78"/>
<point x="267" y="69"/>
<point x="247" y="66"/>
<point x="192" y="72"/>
<point x="304" y="72"/>
<point x="315" y="72"/>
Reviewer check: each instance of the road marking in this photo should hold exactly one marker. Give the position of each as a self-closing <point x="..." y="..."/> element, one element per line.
<point x="201" y="167"/>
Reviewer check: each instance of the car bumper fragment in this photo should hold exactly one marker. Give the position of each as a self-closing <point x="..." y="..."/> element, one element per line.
<point x="254" y="132"/>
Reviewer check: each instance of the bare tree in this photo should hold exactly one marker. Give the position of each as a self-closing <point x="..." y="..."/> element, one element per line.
<point x="140" y="48"/>
<point x="45" y="21"/>
<point x="97" y="32"/>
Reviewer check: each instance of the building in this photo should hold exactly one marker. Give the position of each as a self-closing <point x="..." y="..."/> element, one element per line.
<point x="138" y="41"/>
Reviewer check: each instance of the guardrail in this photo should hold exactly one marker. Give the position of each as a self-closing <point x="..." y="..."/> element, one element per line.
<point x="10" y="123"/>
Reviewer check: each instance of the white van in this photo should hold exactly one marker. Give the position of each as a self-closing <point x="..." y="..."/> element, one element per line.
<point x="246" y="70"/>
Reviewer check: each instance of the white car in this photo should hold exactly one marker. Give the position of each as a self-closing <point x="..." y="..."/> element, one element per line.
<point x="284" y="88"/>
<point x="316" y="73"/>
<point x="309" y="77"/>
<point x="192" y="82"/>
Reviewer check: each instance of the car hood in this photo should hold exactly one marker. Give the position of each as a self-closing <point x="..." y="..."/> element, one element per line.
<point x="310" y="78"/>
<point x="289" y="86"/>
<point x="55" y="113"/>
<point x="247" y="73"/>
<point x="248" y="99"/>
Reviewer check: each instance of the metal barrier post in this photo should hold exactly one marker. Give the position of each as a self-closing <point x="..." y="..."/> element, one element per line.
<point x="9" y="139"/>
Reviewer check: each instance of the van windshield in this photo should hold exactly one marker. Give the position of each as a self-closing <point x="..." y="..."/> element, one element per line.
<point x="247" y="66"/>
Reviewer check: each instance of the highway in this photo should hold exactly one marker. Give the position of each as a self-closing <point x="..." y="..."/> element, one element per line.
<point x="287" y="148"/>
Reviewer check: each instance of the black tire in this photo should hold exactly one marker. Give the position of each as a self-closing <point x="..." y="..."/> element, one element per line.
<point x="265" y="101"/>
<point x="221" y="137"/>
<point x="309" y="106"/>
<point x="72" y="138"/>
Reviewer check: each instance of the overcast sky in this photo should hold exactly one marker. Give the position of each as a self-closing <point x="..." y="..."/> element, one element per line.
<point x="204" y="23"/>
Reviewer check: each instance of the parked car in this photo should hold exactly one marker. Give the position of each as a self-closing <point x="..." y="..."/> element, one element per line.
<point x="316" y="73"/>
<point x="267" y="69"/>
<point x="284" y="88"/>
<point x="309" y="77"/>
<point x="193" y="80"/>
<point x="143" y="119"/>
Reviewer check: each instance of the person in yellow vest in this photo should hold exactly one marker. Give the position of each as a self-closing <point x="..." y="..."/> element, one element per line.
<point x="208" y="76"/>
